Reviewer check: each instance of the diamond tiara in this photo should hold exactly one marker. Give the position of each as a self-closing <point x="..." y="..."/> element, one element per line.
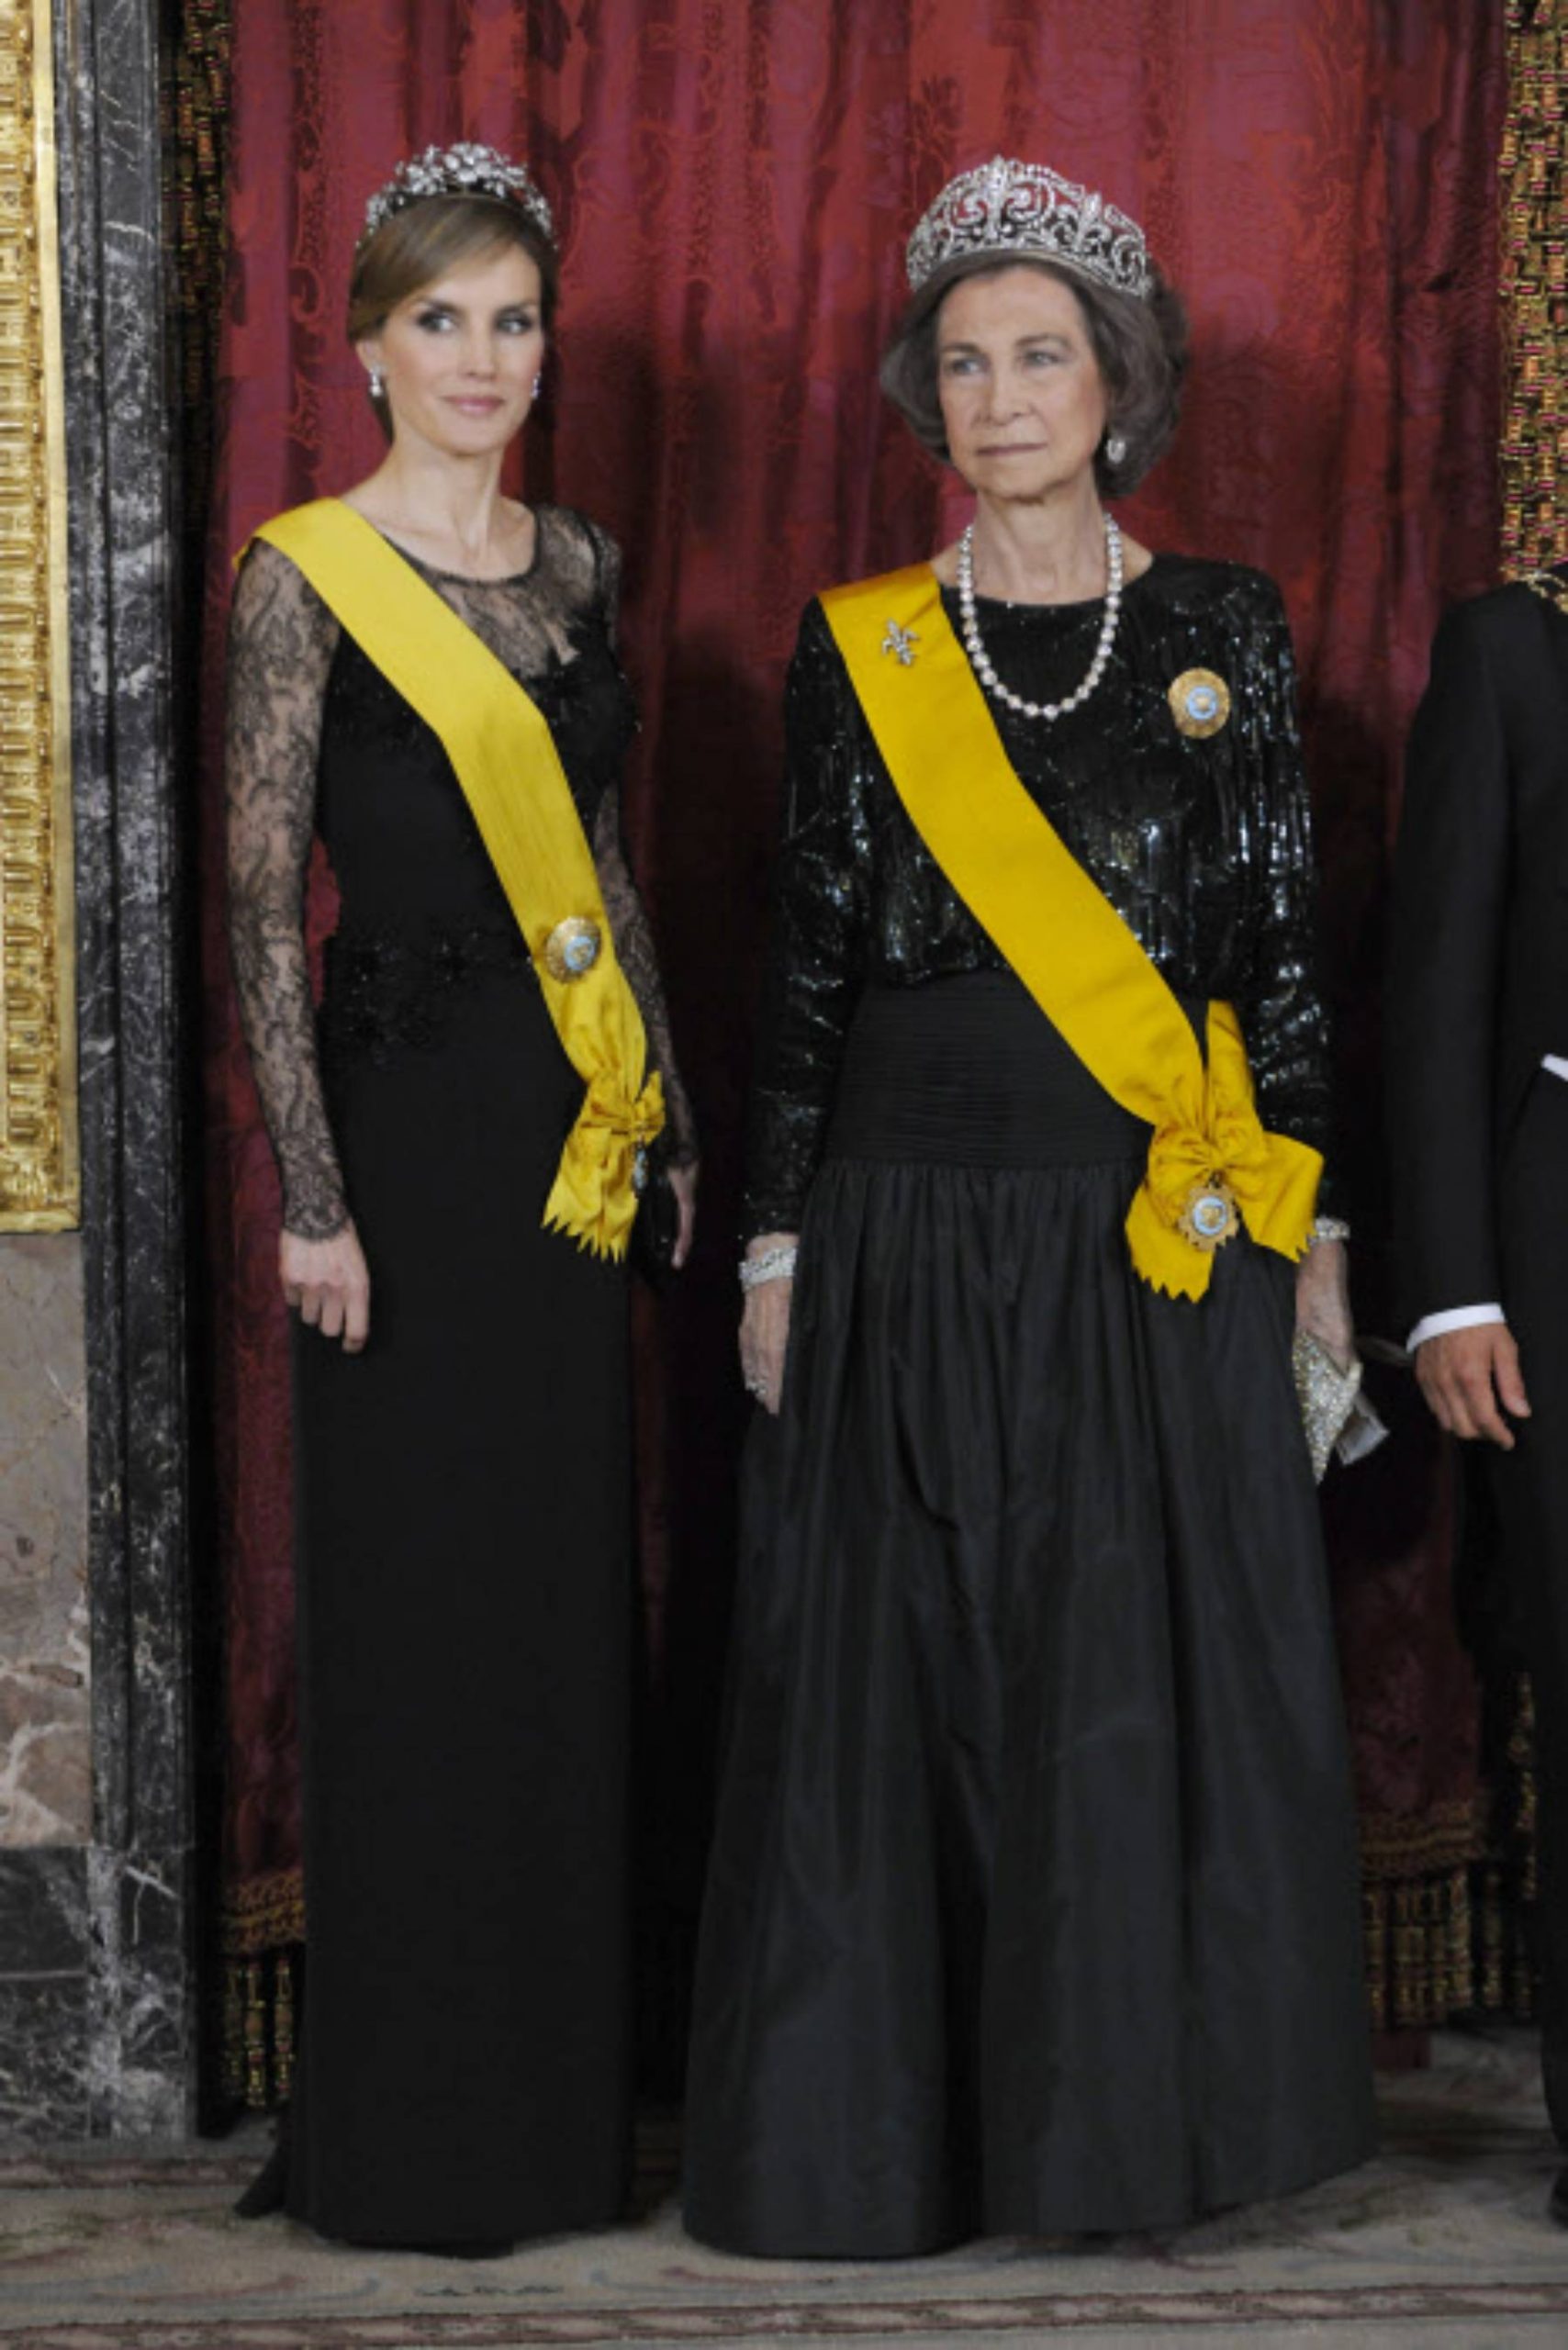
<point x="1026" y="208"/>
<point x="463" y="170"/>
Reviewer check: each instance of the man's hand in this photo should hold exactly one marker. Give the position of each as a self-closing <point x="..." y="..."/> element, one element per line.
<point x="1471" y="1378"/>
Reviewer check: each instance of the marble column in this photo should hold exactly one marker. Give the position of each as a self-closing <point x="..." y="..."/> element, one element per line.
<point x="97" y="1941"/>
<point x="46" y="1810"/>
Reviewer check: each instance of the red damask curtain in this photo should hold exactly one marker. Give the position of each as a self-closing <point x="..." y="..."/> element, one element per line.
<point x="734" y="184"/>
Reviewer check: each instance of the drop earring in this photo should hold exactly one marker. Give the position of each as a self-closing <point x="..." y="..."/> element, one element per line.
<point x="1115" y="450"/>
<point x="377" y="385"/>
<point x="537" y="381"/>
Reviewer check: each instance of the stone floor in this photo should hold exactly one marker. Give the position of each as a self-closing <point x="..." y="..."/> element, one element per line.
<point x="1442" y="2240"/>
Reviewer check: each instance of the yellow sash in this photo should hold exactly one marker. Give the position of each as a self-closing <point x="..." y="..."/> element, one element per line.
<point x="1209" y="1155"/>
<point x="507" y="762"/>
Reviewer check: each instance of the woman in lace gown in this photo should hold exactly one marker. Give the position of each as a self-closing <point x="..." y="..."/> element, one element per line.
<point x="461" y="1407"/>
<point x="1033" y="1901"/>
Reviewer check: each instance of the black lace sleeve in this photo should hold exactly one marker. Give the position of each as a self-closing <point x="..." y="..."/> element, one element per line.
<point x="634" y="948"/>
<point x="1279" y="1000"/>
<point x="606" y="578"/>
<point x="280" y="649"/>
<point x="814" y="962"/>
<point x="623" y="901"/>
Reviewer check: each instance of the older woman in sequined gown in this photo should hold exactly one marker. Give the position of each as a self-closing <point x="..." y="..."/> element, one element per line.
<point x="1034" y="1897"/>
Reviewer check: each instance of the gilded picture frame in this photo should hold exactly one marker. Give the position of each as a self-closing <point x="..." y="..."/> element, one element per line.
<point x="40" y="1157"/>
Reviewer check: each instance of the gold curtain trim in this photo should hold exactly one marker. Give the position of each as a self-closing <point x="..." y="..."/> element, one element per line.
<point x="1447" y="1899"/>
<point x="1450" y="1836"/>
<point x="201" y="115"/>
<point x="1419" y="1947"/>
<point x="1446" y="1945"/>
<point x="265" y="1913"/>
<point x="260" y="1996"/>
<point x="1533" y="286"/>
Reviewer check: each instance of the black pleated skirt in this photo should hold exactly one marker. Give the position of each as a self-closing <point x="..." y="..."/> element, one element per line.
<point x="1033" y="1899"/>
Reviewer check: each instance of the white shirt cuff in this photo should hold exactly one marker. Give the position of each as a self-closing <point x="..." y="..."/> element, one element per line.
<point x="1470" y="1318"/>
<point x="1455" y="1318"/>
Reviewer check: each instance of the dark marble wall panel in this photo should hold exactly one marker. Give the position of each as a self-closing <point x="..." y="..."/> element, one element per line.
<point x="139" y="2070"/>
<point x="44" y="2028"/>
<point x="44" y="1994"/>
<point x="43" y="1913"/>
<point x="97" y="2034"/>
<point x="44" y="1704"/>
<point x="123" y="556"/>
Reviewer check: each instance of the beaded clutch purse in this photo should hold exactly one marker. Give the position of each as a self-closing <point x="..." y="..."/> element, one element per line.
<point x="1334" y="1412"/>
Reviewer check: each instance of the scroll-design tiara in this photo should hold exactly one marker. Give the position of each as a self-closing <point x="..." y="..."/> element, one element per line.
<point x="463" y="170"/>
<point x="1026" y="208"/>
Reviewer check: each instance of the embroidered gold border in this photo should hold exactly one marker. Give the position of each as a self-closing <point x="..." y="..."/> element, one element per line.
<point x="39" y="1164"/>
<point x="1533" y="272"/>
<point x="1447" y="1836"/>
<point x="264" y="1913"/>
<point x="200" y="89"/>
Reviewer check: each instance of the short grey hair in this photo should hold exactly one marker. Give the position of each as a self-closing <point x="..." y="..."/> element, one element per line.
<point x="1139" y="344"/>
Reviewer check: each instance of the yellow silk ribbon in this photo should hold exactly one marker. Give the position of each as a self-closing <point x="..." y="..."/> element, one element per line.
<point x="505" y="761"/>
<point x="1065" y="940"/>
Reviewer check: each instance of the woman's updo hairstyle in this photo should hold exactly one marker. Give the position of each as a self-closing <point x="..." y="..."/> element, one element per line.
<point x="1139" y="343"/>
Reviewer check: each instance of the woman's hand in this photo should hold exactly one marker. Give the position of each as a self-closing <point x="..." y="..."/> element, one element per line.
<point x="765" y="1327"/>
<point x="328" y="1284"/>
<point x="1323" y="1299"/>
<point x="683" y="1183"/>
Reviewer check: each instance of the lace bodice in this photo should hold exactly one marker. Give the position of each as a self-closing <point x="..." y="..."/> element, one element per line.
<point x="1203" y="845"/>
<point x="317" y="740"/>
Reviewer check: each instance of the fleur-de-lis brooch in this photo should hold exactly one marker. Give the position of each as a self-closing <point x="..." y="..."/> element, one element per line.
<point x="901" y="643"/>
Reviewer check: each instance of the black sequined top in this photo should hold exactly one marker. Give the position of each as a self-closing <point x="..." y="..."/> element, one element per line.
<point x="1203" y="845"/>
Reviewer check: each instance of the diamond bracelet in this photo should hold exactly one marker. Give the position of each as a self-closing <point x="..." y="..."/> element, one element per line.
<point x="1328" y="1227"/>
<point x="772" y="1265"/>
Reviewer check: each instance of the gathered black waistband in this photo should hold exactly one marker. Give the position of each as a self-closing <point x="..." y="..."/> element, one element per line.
<point x="968" y="1071"/>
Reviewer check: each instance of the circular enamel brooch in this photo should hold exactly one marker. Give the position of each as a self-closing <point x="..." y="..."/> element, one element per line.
<point x="572" y="948"/>
<point x="1210" y="1216"/>
<point x="1200" y="702"/>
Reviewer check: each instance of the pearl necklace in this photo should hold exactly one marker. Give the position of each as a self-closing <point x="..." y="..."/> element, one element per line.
<point x="975" y="647"/>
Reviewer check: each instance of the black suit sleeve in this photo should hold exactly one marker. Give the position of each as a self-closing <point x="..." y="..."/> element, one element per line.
<point x="1452" y="880"/>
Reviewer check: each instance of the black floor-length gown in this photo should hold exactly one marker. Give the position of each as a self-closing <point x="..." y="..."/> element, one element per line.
<point x="463" y="1543"/>
<point x="1033" y="1899"/>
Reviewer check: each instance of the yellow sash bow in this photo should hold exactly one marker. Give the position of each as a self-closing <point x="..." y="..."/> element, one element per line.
<point x="505" y="761"/>
<point x="1210" y="1156"/>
